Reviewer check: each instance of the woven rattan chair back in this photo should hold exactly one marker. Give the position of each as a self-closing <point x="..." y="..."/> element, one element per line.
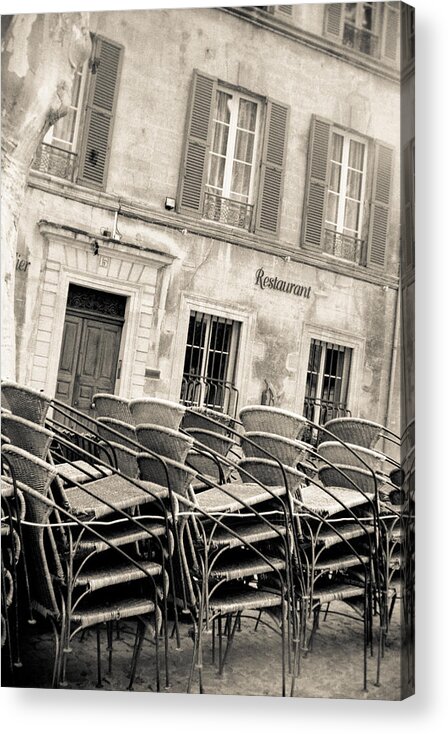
<point x="204" y="464"/>
<point x="27" y="435"/>
<point x="270" y="474"/>
<point x="357" y="456"/>
<point x="112" y="406"/>
<point x="125" y="458"/>
<point x="29" y="469"/>
<point x="207" y="419"/>
<point x="218" y="443"/>
<point x="127" y="432"/>
<point x="264" y="419"/>
<point x="179" y="475"/>
<point x="164" y="441"/>
<point x="158" y="412"/>
<point x="355" y="478"/>
<point x="357" y="431"/>
<point x="286" y="450"/>
<point x="25" y="402"/>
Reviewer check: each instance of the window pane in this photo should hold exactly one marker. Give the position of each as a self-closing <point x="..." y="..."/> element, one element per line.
<point x="337" y="147"/>
<point x="332" y="208"/>
<point x="247" y="115"/>
<point x="244" y="146"/>
<point x="222" y="107"/>
<point x="65" y="127"/>
<point x="220" y="137"/>
<point x="367" y="16"/>
<point x="354" y="184"/>
<point x="240" y="179"/>
<point x="335" y="177"/>
<point x="351" y="216"/>
<point x="216" y="171"/>
<point x="356" y="155"/>
<point x="350" y="12"/>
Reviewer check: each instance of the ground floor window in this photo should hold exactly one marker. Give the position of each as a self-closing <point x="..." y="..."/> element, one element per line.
<point x="209" y="365"/>
<point x="327" y="381"/>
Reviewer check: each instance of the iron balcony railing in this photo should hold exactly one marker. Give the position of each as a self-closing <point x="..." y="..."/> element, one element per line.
<point x="360" y="39"/>
<point x="344" y="246"/>
<point x="55" y="161"/>
<point x="200" y="391"/>
<point x="228" y="211"/>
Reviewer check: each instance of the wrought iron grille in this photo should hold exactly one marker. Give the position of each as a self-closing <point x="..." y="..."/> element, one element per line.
<point x="360" y="39"/>
<point x="343" y="246"/>
<point x="219" y="209"/>
<point x="56" y="161"/>
<point x="209" y="365"/>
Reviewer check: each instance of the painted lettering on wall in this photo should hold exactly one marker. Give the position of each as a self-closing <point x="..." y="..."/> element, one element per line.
<point x="276" y="284"/>
<point x="22" y="264"/>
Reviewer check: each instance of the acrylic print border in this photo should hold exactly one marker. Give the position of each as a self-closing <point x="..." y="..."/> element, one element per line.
<point x="277" y="388"/>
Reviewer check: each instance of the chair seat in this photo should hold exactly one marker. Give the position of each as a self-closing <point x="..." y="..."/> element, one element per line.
<point x="121" y="534"/>
<point x="339" y="564"/>
<point x="248" y="532"/>
<point x="241" y="599"/>
<point x="336" y="592"/>
<point x="243" y="567"/>
<point x="114" y="574"/>
<point x="319" y="501"/>
<point x="115" y="490"/>
<point x="349" y="531"/>
<point x="217" y="500"/>
<point x="89" y="614"/>
<point x="81" y="471"/>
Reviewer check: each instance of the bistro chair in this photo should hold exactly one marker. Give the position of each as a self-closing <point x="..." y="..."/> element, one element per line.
<point x="109" y="427"/>
<point x="358" y="431"/>
<point x="207" y="419"/>
<point x="25" y="402"/>
<point x="357" y="456"/>
<point x="78" y="587"/>
<point x="112" y="406"/>
<point x="217" y="442"/>
<point x="156" y="411"/>
<point x="167" y="442"/>
<point x="265" y="419"/>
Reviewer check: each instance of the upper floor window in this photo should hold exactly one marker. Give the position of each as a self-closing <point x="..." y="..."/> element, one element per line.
<point x="77" y="147"/>
<point x="347" y="195"/>
<point x="369" y="28"/>
<point x="229" y="193"/>
<point x="234" y="155"/>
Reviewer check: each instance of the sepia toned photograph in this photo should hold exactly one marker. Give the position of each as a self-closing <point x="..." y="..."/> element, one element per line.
<point x="207" y="350"/>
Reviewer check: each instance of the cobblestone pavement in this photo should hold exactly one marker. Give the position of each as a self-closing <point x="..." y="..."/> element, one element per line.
<point x="332" y="670"/>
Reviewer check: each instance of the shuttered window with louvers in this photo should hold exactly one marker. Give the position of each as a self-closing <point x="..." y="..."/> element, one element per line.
<point x="317" y="184"/>
<point x="379" y="213"/>
<point x="221" y="172"/>
<point x="197" y="144"/>
<point x="335" y="194"/>
<point x="391" y="26"/>
<point x="105" y="67"/>
<point x="408" y="216"/>
<point x="272" y="168"/>
<point x="333" y="17"/>
<point x="287" y="9"/>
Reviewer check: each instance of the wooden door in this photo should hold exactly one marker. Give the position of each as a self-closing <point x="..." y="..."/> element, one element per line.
<point x="89" y="357"/>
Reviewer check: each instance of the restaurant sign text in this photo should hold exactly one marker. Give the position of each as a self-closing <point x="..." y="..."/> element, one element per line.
<point x="276" y="284"/>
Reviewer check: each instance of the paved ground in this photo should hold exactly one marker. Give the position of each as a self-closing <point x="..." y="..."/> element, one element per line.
<point x="332" y="670"/>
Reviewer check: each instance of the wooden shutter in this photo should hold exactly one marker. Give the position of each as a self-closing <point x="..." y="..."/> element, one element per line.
<point x="391" y="25"/>
<point x="316" y="184"/>
<point x="379" y="210"/>
<point x="408" y="225"/>
<point x="333" y="19"/>
<point x="285" y="9"/>
<point x="272" y="169"/>
<point x="105" y="67"/>
<point x="197" y="144"/>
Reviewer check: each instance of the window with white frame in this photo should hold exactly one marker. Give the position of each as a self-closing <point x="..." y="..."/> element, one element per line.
<point x="355" y="25"/>
<point x="77" y="146"/>
<point x="327" y="381"/>
<point x="230" y="176"/>
<point x="226" y="174"/>
<point x="210" y="361"/>
<point x="343" y="216"/>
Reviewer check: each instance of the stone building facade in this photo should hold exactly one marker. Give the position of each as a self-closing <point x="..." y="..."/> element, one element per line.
<point x="217" y="219"/>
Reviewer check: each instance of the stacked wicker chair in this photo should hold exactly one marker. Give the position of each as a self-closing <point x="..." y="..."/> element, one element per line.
<point x="119" y="572"/>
